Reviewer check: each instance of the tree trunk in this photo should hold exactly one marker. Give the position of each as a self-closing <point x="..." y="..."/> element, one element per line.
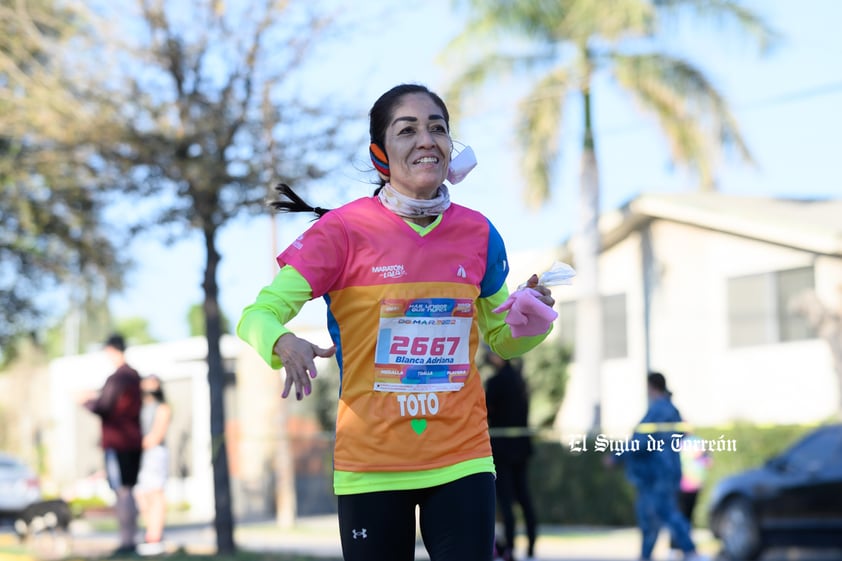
<point x="586" y="255"/>
<point x="223" y="519"/>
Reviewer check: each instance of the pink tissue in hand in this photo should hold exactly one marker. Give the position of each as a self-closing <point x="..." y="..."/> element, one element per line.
<point x="527" y="315"/>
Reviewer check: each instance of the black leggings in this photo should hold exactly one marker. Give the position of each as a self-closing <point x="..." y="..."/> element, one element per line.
<point x="456" y="519"/>
<point x="686" y="504"/>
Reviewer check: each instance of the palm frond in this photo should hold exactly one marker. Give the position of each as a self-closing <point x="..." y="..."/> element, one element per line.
<point x="540" y="123"/>
<point x="481" y="27"/>
<point x="691" y="112"/>
<point x="479" y="73"/>
<point x="581" y="21"/>
<point x="727" y="12"/>
<point x="566" y="20"/>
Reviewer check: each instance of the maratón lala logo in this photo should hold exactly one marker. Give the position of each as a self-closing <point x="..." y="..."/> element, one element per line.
<point x="389" y="271"/>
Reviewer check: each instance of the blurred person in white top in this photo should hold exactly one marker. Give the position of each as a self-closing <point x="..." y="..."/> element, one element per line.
<point x="155" y="418"/>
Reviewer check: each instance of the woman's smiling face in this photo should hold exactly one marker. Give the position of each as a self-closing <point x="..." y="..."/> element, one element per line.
<point x="418" y="146"/>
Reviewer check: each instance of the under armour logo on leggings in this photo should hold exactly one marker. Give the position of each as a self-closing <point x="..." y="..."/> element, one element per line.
<point x="359" y="533"/>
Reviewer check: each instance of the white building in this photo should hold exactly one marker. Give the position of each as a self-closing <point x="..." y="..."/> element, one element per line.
<point x="700" y="286"/>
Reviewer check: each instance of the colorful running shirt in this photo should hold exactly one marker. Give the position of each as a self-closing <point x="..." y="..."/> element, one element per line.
<point x="402" y="314"/>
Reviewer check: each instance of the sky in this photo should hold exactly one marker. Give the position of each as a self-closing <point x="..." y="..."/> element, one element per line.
<point x="788" y="104"/>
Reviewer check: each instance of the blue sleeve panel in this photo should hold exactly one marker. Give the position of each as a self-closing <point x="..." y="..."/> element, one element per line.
<point x="497" y="265"/>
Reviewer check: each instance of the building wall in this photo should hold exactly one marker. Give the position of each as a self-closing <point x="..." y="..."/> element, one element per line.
<point x="713" y="383"/>
<point x="24" y="407"/>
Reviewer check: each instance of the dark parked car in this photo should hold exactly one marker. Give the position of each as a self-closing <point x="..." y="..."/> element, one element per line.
<point x="794" y="499"/>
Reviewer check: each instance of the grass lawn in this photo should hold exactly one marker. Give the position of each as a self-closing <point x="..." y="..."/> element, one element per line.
<point x="20" y="554"/>
<point x="15" y="552"/>
<point x="240" y="556"/>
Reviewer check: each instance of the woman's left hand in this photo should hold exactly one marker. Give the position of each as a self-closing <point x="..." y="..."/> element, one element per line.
<point x="545" y="295"/>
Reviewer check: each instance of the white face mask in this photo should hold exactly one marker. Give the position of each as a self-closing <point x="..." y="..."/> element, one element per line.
<point x="461" y="165"/>
<point x="408" y="207"/>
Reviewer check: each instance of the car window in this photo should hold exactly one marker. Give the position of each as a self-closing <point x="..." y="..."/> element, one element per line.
<point x="819" y="449"/>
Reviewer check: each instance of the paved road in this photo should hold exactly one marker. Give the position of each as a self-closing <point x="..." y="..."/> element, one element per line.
<point x="318" y="536"/>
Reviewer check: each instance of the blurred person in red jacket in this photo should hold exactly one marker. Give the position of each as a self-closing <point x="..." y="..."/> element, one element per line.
<point x="118" y="406"/>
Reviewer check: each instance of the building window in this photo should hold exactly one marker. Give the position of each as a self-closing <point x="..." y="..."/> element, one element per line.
<point x="760" y="310"/>
<point x="614" y="323"/>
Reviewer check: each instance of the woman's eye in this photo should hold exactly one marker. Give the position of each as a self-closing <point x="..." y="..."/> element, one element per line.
<point x="407" y="130"/>
<point x="439" y="128"/>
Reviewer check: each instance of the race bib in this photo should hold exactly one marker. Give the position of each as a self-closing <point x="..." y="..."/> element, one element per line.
<point x="423" y="345"/>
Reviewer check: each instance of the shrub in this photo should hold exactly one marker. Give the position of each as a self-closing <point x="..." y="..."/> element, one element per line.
<point x="576" y="489"/>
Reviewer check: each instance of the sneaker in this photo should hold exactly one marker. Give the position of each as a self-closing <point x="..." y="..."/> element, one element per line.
<point x="151" y="548"/>
<point x="123" y="551"/>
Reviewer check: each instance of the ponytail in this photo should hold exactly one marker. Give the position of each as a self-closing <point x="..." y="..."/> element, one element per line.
<point x="294" y="204"/>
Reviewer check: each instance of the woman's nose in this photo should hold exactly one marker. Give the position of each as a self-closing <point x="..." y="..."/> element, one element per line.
<point x="425" y="139"/>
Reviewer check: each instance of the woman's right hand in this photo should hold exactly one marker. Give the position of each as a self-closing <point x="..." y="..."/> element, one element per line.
<point x="297" y="356"/>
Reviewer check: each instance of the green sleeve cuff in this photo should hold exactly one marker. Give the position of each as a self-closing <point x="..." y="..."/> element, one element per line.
<point x="497" y="333"/>
<point x="264" y="321"/>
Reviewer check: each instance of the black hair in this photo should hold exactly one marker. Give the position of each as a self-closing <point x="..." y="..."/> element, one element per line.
<point x="657" y="382"/>
<point x="383" y="109"/>
<point x="382" y="112"/>
<point x="294" y="202"/>
<point x="116" y="341"/>
<point x="159" y="393"/>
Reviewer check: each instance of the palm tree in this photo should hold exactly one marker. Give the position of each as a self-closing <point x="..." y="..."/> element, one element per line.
<point x="568" y="44"/>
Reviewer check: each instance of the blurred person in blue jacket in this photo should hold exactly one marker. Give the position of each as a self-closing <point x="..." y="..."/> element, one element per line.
<point x="654" y="469"/>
